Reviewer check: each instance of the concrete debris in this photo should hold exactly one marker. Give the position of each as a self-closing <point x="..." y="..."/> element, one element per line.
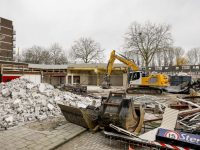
<point x="182" y="74"/>
<point x="17" y="102"/>
<point x="5" y="92"/>
<point x="9" y="119"/>
<point x="23" y="101"/>
<point x="41" y="87"/>
<point x="149" y="101"/>
<point x="81" y="105"/>
<point x="50" y="106"/>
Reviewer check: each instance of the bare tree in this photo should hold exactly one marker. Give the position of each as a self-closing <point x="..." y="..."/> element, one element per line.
<point x="147" y="39"/>
<point x="159" y="58"/>
<point x="193" y="56"/>
<point x="34" y="54"/>
<point x="190" y="57"/>
<point x="170" y="54"/>
<point x="57" y="54"/>
<point x="87" y="49"/>
<point x="40" y="55"/>
<point x="178" y="52"/>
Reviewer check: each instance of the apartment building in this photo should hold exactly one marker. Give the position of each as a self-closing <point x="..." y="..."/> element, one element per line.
<point x="193" y="70"/>
<point x="7" y="45"/>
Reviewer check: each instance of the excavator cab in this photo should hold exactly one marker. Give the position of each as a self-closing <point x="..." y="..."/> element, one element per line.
<point x="135" y="77"/>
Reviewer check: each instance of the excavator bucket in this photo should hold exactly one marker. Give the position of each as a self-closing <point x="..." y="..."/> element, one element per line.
<point x="121" y="112"/>
<point x="106" y="83"/>
<point x="83" y="117"/>
<point x="115" y="109"/>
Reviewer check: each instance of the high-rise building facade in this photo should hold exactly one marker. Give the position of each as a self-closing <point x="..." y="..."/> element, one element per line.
<point x="7" y="45"/>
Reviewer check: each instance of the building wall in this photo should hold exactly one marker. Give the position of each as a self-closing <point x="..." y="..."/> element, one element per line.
<point x="54" y="80"/>
<point x="34" y="78"/>
<point x="90" y="77"/>
<point x="7" y="44"/>
<point x="124" y="79"/>
<point x="9" y="77"/>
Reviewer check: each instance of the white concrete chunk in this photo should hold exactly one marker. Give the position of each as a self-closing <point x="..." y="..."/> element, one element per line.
<point x="67" y="97"/>
<point x="41" y="117"/>
<point x="57" y="99"/>
<point x="5" y="92"/>
<point x="9" y="119"/>
<point x="30" y="86"/>
<point x="50" y="106"/>
<point x="80" y="105"/>
<point x="41" y="87"/>
<point x="15" y="95"/>
<point x="17" y="103"/>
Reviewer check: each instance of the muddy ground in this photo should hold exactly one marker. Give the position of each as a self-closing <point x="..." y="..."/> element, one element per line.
<point x="47" y="124"/>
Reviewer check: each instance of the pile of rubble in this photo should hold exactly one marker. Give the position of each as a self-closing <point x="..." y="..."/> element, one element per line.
<point x="149" y="101"/>
<point x="23" y="101"/>
<point x="182" y="74"/>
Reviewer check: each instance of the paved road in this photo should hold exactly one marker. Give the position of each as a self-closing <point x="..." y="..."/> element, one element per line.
<point x="23" y="138"/>
<point x="94" y="141"/>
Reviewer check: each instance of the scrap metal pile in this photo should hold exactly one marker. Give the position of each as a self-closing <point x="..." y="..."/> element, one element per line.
<point x="24" y="101"/>
<point x="179" y="128"/>
<point x="182" y="83"/>
<point x="129" y="114"/>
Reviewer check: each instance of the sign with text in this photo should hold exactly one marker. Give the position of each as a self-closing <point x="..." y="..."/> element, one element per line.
<point x="181" y="136"/>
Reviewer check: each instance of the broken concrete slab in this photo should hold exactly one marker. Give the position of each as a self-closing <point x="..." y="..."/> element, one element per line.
<point x="41" y="87"/>
<point x="17" y="103"/>
<point x="50" y="106"/>
<point x="9" y="119"/>
<point x="5" y="92"/>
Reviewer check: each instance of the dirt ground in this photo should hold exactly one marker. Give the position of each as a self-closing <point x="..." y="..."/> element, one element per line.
<point x="47" y="124"/>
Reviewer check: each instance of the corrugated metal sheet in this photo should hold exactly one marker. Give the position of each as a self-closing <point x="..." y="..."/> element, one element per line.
<point x="168" y="122"/>
<point x="150" y="135"/>
<point x="169" y="119"/>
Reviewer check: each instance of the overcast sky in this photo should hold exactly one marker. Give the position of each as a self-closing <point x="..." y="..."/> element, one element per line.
<point x="44" y="22"/>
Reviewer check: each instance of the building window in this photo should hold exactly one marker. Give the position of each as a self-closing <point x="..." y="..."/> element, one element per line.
<point x="185" y="67"/>
<point x="177" y="68"/>
<point x="197" y="67"/>
<point x="158" y="68"/>
<point x="149" y="68"/>
<point x="166" y="68"/>
<point x="194" y="67"/>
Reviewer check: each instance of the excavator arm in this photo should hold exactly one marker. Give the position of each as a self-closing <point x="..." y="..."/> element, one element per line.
<point x="106" y="83"/>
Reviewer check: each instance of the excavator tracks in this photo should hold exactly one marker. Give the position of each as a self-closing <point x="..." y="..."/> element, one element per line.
<point x="143" y="90"/>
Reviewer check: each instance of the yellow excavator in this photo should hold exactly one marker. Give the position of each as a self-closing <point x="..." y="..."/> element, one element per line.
<point x="139" y="82"/>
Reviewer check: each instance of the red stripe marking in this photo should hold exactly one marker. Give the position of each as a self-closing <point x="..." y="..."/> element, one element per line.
<point x="162" y="144"/>
<point x="174" y="147"/>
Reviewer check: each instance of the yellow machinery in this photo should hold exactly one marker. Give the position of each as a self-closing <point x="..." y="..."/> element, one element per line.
<point x="138" y="81"/>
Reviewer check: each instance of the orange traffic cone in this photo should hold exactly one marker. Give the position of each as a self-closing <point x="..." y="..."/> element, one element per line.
<point x="130" y="148"/>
